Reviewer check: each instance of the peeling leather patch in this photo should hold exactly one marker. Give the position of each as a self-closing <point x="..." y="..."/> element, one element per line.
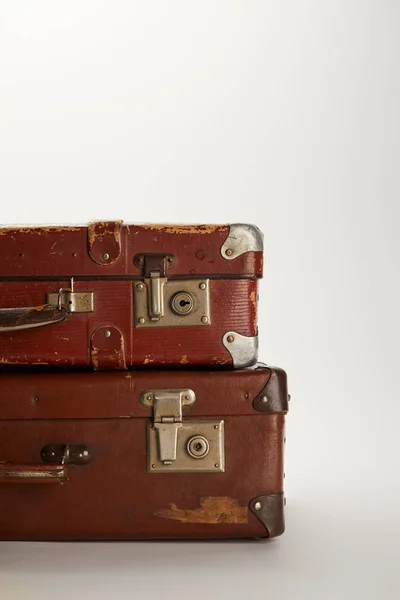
<point x="212" y="510"/>
<point x="107" y="353"/>
<point x="189" y="229"/>
<point x="104" y="238"/>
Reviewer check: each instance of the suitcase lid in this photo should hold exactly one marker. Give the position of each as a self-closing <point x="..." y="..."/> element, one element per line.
<point x="122" y="395"/>
<point x="112" y="249"/>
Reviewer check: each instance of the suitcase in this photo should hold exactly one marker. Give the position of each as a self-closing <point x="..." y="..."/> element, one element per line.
<point x="113" y="296"/>
<point x="142" y="455"/>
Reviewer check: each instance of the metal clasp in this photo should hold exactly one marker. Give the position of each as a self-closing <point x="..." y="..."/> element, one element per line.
<point x="79" y="302"/>
<point x="155" y="285"/>
<point x="167" y="418"/>
<point x="154" y="266"/>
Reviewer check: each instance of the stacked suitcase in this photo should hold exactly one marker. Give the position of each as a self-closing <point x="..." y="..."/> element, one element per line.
<point x="131" y="402"/>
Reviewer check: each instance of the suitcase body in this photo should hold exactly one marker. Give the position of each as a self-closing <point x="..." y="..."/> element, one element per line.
<point x="142" y="455"/>
<point x="114" y="296"/>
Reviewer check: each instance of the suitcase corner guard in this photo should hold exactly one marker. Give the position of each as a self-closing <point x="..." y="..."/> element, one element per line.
<point x="243" y="349"/>
<point x="270" y="511"/>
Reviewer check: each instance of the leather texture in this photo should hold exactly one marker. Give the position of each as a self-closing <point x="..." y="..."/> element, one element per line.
<point x="233" y="308"/>
<point x="104" y="258"/>
<point x="113" y="496"/>
<point x="64" y="250"/>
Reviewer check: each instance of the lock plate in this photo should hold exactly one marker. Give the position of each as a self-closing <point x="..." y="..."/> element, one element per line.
<point x="188" y="436"/>
<point x="179" y="302"/>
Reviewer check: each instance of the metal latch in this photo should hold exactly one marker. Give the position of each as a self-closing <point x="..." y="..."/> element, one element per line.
<point x="167" y="410"/>
<point x="154" y="267"/>
<point x="79" y="302"/>
<point x="162" y="302"/>
<point x="181" y="445"/>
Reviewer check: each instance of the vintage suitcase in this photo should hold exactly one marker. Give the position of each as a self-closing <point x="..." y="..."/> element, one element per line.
<point x="142" y="455"/>
<point x="114" y="296"/>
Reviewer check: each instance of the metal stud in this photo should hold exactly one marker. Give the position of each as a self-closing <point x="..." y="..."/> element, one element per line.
<point x="107" y="333"/>
<point x="216" y="465"/>
<point x="264" y="399"/>
<point x="203" y="286"/>
<point x="105" y="256"/>
<point x="140" y="287"/>
<point x="204" y="319"/>
<point x="142" y="320"/>
<point x="229" y="252"/>
<point x="257" y="506"/>
<point x="230" y="338"/>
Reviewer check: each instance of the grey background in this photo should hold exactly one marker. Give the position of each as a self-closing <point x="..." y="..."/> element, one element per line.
<point x="284" y="114"/>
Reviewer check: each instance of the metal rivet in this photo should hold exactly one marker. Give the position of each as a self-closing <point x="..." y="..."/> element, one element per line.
<point x="264" y="399"/>
<point x="107" y="333"/>
<point x="140" y="287"/>
<point x="153" y="466"/>
<point x="142" y="320"/>
<point x="187" y="397"/>
<point x="105" y="256"/>
<point x="257" y="506"/>
<point x="36" y="399"/>
<point x="216" y="465"/>
<point x="215" y="426"/>
<point x="204" y="319"/>
<point x="230" y="338"/>
<point x="202" y="286"/>
<point x="229" y="252"/>
<point x="74" y="254"/>
<point x="148" y="398"/>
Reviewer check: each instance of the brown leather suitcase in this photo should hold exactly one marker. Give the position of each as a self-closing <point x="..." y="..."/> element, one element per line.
<point x="114" y="296"/>
<point x="142" y="455"/>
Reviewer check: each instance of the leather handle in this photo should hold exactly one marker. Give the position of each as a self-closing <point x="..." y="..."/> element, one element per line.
<point x="34" y="473"/>
<point x="17" y="319"/>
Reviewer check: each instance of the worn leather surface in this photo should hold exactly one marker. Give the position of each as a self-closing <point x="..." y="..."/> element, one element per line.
<point x="233" y="308"/>
<point x="104" y="242"/>
<point x="109" y="395"/>
<point x="113" y="497"/>
<point x="66" y="251"/>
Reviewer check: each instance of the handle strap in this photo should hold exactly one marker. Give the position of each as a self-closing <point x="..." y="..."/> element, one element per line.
<point x="35" y="473"/>
<point x="17" y="319"/>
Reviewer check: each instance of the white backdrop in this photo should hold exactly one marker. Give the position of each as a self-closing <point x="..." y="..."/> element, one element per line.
<point x="284" y="114"/>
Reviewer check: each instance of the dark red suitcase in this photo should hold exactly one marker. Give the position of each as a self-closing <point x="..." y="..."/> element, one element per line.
<point x="115" y="296"/>
<point x="136" y="455"/>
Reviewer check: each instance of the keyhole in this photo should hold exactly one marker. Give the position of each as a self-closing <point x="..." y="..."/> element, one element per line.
<point x="198" y="446"/>
<point x="182" y="303"/>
